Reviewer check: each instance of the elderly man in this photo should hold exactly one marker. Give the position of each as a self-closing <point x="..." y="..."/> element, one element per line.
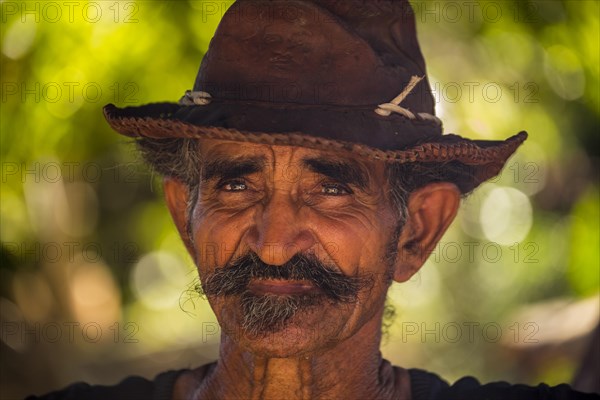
<point x="305" y="173"/>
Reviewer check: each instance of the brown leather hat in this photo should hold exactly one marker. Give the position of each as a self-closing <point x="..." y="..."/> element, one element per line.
<point x="327" y="74"/>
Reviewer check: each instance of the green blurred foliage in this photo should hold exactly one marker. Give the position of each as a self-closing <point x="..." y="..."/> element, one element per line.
<point x="496" y="68"/>
<point x="584" y="256"/>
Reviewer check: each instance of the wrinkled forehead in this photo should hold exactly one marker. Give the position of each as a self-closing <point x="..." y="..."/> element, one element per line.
<point x="215" y="148"/>
<point x="288" y="158"/>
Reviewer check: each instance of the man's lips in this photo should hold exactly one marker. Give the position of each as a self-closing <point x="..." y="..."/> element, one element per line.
<point x="282" y="61"/>
<point x="281" y="287"/>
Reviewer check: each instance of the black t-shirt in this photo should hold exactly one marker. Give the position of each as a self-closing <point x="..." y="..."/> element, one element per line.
<point x="424" y="386"/>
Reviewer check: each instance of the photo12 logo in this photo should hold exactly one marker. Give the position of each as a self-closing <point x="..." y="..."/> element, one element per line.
<point x="68" y="171"/>
<point x="67" y="332"/>
<point x="490" y="12"/>
<point x="69" y="92"/>
<point x="468" y="332"/>
<point x="489" y="92"/>
<point x="71" y="11"/>
<point x="59" y="252"/>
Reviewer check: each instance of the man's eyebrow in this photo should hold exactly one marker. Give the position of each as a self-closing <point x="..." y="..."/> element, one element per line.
<point x="228" y="168"/>
<point x="347" y="172"/>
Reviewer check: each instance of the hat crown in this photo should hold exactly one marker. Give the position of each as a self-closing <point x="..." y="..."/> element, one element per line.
<point x="334" y="75"/>
<point x="318" y="52"/>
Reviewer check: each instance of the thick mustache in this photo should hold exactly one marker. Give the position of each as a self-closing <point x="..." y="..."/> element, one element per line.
<point x="233" y="278"/>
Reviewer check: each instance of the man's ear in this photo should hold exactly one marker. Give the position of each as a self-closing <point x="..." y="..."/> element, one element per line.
<point x="176" y="196"/>
<point x="431" y="209"/>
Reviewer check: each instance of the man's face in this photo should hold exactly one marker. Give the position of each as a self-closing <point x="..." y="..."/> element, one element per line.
<point x="323" y="219"/>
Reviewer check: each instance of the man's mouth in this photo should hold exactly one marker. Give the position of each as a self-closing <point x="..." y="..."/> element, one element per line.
<point x="282" y="61"/>
<point x="281" y="287"/>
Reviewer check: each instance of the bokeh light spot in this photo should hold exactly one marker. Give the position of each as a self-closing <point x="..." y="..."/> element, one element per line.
<point x="506" y="215"/>
<point x="158" y="280"/>
<point x="564" y="72"/>
<point x="18" y="39"/>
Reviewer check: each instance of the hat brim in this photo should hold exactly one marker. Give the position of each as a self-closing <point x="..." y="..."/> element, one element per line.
<point x="261" y="124"/>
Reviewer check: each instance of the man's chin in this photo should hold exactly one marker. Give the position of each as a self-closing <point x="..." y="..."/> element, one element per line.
<point x="303" y="332"/>
<point x="292" y="340"/>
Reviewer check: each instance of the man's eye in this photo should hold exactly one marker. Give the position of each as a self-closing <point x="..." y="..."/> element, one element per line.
<point x="332" y="189"/>
<point x="233" y="186"/>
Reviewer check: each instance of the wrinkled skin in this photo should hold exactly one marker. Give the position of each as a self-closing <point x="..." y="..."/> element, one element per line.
<point x="283" y="205"/>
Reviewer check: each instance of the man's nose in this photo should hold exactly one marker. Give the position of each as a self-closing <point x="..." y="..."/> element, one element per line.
<point x="280" y="230"/>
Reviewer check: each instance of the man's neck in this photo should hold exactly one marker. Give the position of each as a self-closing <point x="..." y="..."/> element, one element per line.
<point x="353" y="369"/>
